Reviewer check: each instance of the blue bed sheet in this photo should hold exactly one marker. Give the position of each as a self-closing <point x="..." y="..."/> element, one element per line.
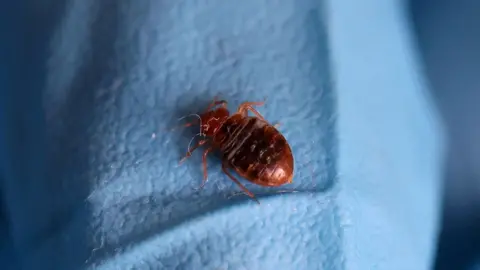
<point x="89" y="173"/>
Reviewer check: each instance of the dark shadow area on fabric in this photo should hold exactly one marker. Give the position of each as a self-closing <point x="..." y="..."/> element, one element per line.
<point x="448" y="39"/>
<point x="8" y="258"/>
<point x="71" y="142"/>
<point x="60" y="237"/>
<point x="9" y="16"/>
<point x="11" y="34"/>
<point x="23" y="123"/>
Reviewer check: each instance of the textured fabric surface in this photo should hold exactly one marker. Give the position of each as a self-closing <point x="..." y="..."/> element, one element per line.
<point x="104" y="189"/>
<point x="390" y="139"/>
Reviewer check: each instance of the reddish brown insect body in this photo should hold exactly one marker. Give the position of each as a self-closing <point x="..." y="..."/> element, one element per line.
<point x="251" y="146"/>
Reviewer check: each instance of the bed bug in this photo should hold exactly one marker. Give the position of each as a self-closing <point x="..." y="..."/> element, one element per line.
<point x="249" y="145"/>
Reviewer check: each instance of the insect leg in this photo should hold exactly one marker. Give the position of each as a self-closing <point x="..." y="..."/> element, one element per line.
<point x="205" y="174"/>
<point x="250" y="194"/>
<point x="248" y="106"/>
<point x="189" y="153"/>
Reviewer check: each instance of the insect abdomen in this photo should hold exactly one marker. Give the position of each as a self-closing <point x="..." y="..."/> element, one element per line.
<point x="257" y="151"/>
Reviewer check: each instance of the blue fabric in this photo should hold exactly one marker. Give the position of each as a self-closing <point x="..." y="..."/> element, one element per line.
<point x="452" y="61"/>
<point x="90" y="176"/>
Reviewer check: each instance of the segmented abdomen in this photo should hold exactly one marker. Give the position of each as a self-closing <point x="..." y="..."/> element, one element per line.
<point x="256" y="150"/>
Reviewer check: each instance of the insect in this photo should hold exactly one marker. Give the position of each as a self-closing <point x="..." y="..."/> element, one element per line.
<point x="249" y="145"/>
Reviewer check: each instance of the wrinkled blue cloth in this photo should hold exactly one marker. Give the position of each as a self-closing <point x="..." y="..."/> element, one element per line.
<point x="89" y="169"/>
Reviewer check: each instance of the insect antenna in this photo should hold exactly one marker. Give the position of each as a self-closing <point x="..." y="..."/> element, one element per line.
<point x="189" y="123"/>
<point x="193" y="138"/>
